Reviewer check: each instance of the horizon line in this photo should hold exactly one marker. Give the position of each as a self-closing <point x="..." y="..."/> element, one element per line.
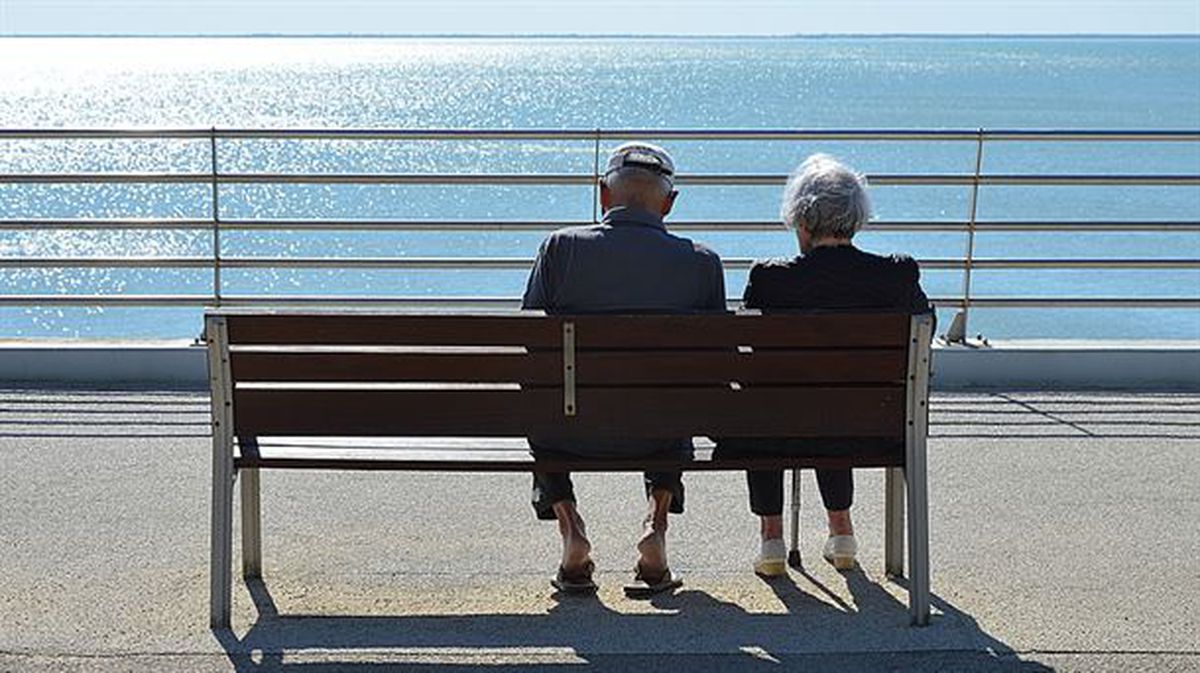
<point x="600" y="36"/>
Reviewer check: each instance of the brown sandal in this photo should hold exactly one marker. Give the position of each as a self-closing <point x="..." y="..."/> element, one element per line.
<point x="644" y="586"/>
<point x="577" y="581"/>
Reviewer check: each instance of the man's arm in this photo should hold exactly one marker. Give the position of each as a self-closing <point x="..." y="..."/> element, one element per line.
<point x="539" y="289"/>
<point x="714" y="299"/>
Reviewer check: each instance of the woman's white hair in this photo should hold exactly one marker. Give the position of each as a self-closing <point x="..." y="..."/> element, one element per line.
<point x="827" y="198"/>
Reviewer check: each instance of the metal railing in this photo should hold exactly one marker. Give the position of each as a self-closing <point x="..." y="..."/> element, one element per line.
<point x="216" y="224"/>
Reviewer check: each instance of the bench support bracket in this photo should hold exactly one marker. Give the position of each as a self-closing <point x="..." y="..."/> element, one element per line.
<point x="570" y="406"/>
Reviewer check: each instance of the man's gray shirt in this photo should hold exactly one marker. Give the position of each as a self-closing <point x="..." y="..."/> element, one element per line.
<point x="628" y="262"/>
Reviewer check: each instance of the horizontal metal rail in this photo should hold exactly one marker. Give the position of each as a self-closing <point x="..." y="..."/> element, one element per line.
<point x="215" y="178"/>
<point x="451" y="302"/>
<point x="524" y="264"/>
<point x="564" y="179"/>
<point x="961" y="135"/>
<point x="1165" y="226"/>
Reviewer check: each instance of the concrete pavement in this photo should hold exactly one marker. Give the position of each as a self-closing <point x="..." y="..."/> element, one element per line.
<point x="1064" y="537"/>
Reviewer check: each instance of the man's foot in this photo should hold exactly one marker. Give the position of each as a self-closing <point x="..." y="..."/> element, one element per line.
<point x="575" y="582"/>
<point x="772" y="558"/>
<point x="576" y="549"/>
<point x="652" y="551"/>
<point x="840" y="550"/>
<point x="647" y="583"/>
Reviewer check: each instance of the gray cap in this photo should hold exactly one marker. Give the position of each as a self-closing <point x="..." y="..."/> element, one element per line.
<point x="644" y="156"/>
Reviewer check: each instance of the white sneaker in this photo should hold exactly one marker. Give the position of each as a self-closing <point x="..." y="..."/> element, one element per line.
<point x="840" y="551"/>
<point x="772" y="559"/>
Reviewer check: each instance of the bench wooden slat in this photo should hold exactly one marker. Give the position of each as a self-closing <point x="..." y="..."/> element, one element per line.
<point x="538" y="367"/>
<point x="878" y="365"/>
<point x="853" y="330"/>
<point x="441" y="459"/>
<point x="791" y="411"/>
<point x="395" y="330"/>
<point x="544" y="368"/>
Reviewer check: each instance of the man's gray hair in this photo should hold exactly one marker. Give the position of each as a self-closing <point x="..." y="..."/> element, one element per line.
<point x="638" y="188"/>
<point x="827" y="198"/>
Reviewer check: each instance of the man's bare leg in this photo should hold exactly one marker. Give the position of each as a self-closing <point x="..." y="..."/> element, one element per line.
<point x="576" y="547"/>
<point x="652" y="547"/>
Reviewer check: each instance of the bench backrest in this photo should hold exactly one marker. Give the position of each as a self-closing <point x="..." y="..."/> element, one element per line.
<point x="804" y="375"/>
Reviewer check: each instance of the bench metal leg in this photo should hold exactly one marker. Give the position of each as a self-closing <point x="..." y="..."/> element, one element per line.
<point x="794" y="550"/>
<point x="251" y="524"/>
<point x="893" y="522"/>
<point x="220" y="562"/>
<point x="915" y="468"/>
<point x="221" y="553"/>
<point x="918" y="536"/>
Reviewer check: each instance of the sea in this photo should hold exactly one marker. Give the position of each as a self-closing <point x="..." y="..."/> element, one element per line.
<point x="868" y="82"/>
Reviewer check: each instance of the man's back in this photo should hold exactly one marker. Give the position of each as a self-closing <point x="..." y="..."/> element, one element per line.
<point x="627" y="263"/>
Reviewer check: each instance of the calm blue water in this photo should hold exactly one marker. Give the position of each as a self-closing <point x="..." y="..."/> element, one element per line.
<point x="612" y="83"/>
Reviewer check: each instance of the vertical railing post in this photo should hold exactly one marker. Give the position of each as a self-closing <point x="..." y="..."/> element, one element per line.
<point x="596" y="179"/>
<point x="216" y="218"/>
<point x="957" y="333"/>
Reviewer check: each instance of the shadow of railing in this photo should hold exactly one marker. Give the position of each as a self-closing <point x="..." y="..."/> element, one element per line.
<point x="96" y="414"/>
<point x="691" y="630"/>
<point x="1080" y="416"/>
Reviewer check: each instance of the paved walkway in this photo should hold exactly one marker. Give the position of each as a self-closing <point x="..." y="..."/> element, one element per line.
<point x="1064" y="537"/>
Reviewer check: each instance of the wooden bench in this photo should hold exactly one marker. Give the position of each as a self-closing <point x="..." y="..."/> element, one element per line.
<point x="459" y="393"/>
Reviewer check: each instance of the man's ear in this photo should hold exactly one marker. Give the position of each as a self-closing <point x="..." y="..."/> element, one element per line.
<point x="669" y="202"/>
<point x="605" y="196"/>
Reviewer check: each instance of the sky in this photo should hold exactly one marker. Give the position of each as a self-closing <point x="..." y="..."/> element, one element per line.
<point x="677" y="17"/>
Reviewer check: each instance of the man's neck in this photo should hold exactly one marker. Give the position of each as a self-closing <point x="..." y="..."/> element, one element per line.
<point x="634" y="213"/>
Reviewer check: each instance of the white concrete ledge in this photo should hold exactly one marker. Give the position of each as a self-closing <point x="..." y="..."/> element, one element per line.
<point x="169" y="364"/>
<point x="1056" y="365"/>
<point x="1070" y="365"/>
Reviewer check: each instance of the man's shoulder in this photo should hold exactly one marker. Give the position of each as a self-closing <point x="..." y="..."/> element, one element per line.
<point x="703" y="251"/>
<point x="575" y="232"/>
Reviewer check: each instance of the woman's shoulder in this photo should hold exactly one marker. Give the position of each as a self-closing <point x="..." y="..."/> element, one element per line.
<point x="775" y="265"/>
<point x="896" y="264"/>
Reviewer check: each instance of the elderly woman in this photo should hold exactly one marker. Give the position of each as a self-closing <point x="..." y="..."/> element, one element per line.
<point x="825" y="203"/>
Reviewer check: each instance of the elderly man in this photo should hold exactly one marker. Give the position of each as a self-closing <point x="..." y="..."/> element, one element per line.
<point x="627" y="263"/>
<point x="826" y="204"/>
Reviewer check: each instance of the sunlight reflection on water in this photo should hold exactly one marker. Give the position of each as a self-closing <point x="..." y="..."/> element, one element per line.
<point x="611" y="83"/>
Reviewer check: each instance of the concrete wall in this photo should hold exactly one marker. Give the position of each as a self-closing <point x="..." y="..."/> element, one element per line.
<point x="167" y="364"/>
<point x="1070" y="365"/>
<point x="1059" y="365"/>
